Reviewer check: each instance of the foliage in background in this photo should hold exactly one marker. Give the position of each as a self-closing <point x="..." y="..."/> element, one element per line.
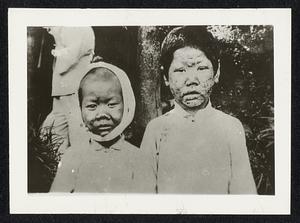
<point x="246" y="91"/>
<point x="43" y="157"/>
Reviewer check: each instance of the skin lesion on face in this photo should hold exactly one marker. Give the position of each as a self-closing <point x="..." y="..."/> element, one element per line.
<point x="102" y="101"/>
<point x="191" y="78"/>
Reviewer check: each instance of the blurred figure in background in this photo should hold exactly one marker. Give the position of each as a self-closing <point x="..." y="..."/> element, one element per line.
<point x="74" y="50"/>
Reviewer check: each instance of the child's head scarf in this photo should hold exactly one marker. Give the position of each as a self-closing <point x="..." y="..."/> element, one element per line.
<point x="128" y="101"/>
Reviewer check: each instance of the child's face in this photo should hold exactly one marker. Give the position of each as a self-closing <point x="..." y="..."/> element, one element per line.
<point x="102" y="103"/>
<point x="191" y="78"/>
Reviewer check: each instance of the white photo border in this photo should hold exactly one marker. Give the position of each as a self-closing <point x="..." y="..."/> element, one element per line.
<point x="23" y="202"/>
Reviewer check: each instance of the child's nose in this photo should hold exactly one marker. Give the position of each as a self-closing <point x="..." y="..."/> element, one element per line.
<point x="191" y="77"/>
<point x="102" y="112"/>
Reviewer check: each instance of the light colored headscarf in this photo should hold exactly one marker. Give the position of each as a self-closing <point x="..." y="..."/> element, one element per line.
<point x="128" y="101"/>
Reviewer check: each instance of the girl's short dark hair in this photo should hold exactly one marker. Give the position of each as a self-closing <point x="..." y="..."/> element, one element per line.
<point x="193" y="36"/>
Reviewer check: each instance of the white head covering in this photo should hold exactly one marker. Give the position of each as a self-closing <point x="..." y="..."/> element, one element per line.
<point x="128" y="101"/>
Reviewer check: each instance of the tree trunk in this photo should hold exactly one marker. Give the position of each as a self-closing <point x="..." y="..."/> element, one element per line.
<point x="149" y="102"/>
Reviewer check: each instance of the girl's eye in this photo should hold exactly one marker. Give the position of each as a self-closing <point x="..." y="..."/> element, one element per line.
<point x="202" y="68"/>
<point x="111" y="105"/>
<point x="179" y="70"/>
<point x="91" y="107"/>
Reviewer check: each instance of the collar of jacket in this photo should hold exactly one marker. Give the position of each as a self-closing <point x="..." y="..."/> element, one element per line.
<point x="199" y="115"/>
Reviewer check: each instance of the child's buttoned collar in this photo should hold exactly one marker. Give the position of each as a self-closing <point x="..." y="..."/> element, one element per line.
<point x="118" y="145"/>
<point x="200" y="115"/>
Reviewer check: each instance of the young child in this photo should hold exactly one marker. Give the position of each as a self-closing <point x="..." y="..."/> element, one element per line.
<point x="195" y="148"/>
<point x="104" y="161"/>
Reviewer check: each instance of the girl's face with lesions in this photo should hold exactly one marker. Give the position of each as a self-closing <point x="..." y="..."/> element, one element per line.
<point x="102" y="103"/>
<point x="191" y="77"/>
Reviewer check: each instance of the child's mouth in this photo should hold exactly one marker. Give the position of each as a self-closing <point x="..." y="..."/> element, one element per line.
<point x="103" y="130"/>
<point x="104" y="127"/>
<point x="191" y="95"/>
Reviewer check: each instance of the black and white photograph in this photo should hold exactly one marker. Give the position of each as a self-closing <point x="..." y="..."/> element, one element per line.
<point x="196" y="126"/>
<point x="171" y="110"/>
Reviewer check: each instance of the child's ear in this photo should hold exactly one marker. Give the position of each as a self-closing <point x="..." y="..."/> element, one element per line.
<point x="166" y="80"/>
<point x="164" y="76"/>
<point x="217" y="75"/>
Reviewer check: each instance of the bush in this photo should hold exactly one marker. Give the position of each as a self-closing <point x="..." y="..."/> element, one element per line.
<point x="43" y="158"/>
